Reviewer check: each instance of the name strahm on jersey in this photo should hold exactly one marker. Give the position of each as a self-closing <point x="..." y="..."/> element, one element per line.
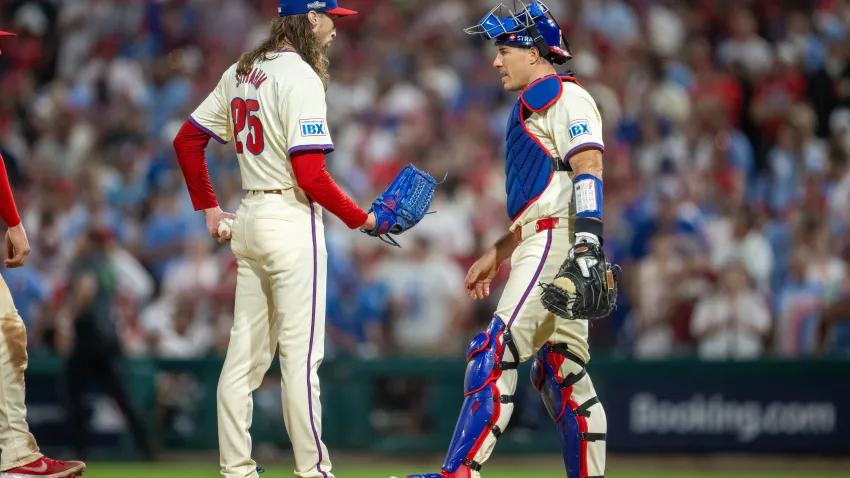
<point x="257" y="77"/>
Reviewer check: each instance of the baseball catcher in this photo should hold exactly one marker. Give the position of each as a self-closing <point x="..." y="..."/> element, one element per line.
<point x="553" y="169"/>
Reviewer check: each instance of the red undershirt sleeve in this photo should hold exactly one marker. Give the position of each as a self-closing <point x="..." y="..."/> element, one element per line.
<point x="310" y="173"/>
<point x="189" y="145"/>
<point x="8" y="210"/>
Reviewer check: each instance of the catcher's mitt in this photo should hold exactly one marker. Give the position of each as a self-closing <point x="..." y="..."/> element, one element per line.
<point x="403" y="204"/>
<point x="573" y="296"/>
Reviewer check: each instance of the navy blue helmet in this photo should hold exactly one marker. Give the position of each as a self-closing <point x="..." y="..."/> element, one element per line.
<point x="528" y="26"/>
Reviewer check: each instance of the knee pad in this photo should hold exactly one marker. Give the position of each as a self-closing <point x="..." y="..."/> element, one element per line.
<point x="569" y="416"/>
<point x="482" y="399"/>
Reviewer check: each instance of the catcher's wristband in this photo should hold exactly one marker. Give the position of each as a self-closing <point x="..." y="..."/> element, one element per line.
<point x="591" y="226"/>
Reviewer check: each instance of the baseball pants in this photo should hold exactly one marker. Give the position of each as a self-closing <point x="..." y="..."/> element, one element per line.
<point x="279" y="243"/>
<point x="17" y="445"/>
<point x="537" y="259"/>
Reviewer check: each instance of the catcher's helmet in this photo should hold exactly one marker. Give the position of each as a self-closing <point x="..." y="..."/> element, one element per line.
<point x="526" y="27"/>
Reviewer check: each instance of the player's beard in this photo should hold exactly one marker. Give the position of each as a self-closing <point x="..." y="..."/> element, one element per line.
<point x="294" y="32"/>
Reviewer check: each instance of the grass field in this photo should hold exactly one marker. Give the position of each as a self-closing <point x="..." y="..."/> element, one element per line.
<point x="110" y="470"/>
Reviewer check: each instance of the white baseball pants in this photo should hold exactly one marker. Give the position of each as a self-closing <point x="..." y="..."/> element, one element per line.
<point x="537" y="259"/>
<point x="279" y="243"/>
<point x="16" y="442"/>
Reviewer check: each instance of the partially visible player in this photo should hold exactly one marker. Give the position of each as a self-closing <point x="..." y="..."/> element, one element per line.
<point x="554" y="169"/>
<point x="19" y="453"/>
<point x="271" y="104"/>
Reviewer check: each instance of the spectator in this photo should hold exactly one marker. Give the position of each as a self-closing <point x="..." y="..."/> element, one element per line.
<point x="196" y="271"/>
<point x="838" y="205"/>
<point x="734" y="321"/>
<point x="427" y="290"/>
<point x="28" y="293"/>
<point x="672" y="216"/>
<point x="656" y="278"/>
<point x="798" y="309"/>
<point x="833" y="334"/>
<point x="745" y="49"/>
<point x="96" y="348"/>
<point x="358" y="310"/>
<point x="742" y="242"/>
<point x="823" y="266"/>
<point x="181" y="327"/>
<point x="797" y="154"/>
<point x="612" y="18"/>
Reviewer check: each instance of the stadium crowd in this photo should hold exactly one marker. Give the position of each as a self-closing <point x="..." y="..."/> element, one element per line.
<point x="727" y="182"/>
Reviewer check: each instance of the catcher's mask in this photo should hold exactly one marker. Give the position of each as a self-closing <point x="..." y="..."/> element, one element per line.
<point x="528" y="26"/>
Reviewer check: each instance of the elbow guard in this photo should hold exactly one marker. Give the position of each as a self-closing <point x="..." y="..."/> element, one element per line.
<point x="587" y="191"/>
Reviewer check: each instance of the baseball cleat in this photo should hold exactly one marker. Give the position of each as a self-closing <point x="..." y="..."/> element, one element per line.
<point x="46" y="467"/>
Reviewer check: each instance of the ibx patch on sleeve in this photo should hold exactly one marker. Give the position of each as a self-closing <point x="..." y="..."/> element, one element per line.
<point x="579" y="127"/>
<point x="313" y="127"/>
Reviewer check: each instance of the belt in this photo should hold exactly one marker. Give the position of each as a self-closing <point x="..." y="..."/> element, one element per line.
<point x="528" y="230"/>
<point x="269" y="191"/>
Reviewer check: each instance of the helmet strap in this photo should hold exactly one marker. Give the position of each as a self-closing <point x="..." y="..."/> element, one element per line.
<point x="539" y="42"/>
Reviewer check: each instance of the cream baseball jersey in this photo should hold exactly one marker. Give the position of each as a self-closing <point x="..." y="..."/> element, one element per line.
<point x="273" y="111"/>
<point x="561" y="119"/>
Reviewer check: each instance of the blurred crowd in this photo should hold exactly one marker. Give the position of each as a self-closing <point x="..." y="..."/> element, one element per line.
<point x="727" y="198"/>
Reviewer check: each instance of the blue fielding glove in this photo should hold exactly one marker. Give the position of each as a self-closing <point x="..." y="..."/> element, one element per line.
<point x="403" y="204"/>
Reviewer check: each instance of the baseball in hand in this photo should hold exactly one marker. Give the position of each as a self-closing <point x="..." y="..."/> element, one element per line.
<point x="225" y="228"/>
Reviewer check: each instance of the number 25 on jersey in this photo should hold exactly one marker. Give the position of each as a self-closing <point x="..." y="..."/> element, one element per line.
<point x="243" y="113"/>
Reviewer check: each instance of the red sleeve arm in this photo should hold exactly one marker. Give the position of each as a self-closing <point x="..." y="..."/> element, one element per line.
<point x="310" y="173"/>
<point x="8" y="210"/>
<point x="189" y="145"/>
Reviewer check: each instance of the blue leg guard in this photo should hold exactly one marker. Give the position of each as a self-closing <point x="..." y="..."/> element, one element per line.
<point x="571" y="419"/>
<point x="483" y="401"/>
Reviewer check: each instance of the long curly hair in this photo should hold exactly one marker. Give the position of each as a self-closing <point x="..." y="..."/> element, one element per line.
<point x="297" y="32"/>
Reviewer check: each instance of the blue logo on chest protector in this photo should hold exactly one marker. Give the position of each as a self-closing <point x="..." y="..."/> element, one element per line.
<point x="578" y="128"/>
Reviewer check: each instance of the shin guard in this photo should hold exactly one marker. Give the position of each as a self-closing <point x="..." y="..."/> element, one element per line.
<point x="558" y="392"/>
<point x="483" y="401"/>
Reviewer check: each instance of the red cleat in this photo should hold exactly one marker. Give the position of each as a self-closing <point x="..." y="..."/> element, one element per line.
<point x="47" y="468"/>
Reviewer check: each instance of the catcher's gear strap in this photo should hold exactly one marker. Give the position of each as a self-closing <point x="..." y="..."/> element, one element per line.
<point x="483" y="400"/>
<point x="592" y="226"/>
<point x="588" y="196"/>
<point x="557" y="393"/>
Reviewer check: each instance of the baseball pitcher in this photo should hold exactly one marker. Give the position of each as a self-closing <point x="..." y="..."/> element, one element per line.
<point x="271" y="104"/>
<point x="554" y="200"/>
<point x="20" y="456"/>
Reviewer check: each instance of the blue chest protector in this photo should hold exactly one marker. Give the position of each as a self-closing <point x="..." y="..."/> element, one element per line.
<point x="528" y="166"/>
